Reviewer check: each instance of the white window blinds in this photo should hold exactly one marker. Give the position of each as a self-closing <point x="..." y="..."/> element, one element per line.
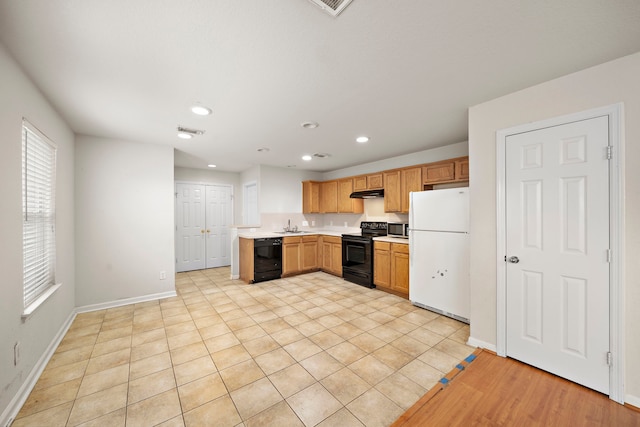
<point x="38" y="212"/>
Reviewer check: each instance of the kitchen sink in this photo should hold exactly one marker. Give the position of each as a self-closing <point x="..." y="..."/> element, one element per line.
<point x="291" y="232"/>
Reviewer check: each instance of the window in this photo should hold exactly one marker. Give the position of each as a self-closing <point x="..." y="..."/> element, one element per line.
<point x="38" y="216"/>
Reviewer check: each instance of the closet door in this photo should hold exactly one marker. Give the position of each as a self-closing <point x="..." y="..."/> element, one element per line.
<point x="218" y="221"/>
<point x="190" y="227"/>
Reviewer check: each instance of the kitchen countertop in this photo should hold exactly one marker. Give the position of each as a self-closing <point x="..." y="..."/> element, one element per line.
<point x="391" y="239"/>
<point x="261" y="234"/>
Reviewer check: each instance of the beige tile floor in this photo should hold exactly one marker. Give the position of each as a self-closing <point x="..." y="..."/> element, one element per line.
<point x="303" y="351"/>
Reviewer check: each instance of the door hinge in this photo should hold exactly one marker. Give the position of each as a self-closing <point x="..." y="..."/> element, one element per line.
<point x="609" y="152"/>
<point x="176" y="195"/>
<point x="609" y="358"/>
<point x="609" y="255"/>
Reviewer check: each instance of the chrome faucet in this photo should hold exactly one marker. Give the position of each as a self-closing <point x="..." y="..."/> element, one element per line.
<point x="288" y="228"/>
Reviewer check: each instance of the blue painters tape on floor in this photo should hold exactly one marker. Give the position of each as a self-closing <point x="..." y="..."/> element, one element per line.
<point x="444" y="381"/>
<point x="460" y="367"/>
<point x="470" y="358"/>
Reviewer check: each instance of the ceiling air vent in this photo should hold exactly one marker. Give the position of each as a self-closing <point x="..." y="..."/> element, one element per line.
<point x="332" y="7"/>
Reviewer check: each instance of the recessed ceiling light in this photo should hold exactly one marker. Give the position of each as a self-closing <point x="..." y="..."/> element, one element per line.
<point x="306" y="157"/>
<point x="183" y="135"/>
<point x="212" y="166"/>
<point x="310" y="125"/>
<point x="362" y="139"/>
<point x="201" y="110"/>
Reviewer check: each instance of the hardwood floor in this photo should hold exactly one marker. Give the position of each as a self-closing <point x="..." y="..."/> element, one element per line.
<point x="496" y="391"/>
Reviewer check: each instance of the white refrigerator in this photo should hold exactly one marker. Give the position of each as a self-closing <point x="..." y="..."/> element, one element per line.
<point x="439" y="251"/>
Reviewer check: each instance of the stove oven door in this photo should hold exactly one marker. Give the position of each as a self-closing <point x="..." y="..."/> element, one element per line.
<point x="357" y="261"/>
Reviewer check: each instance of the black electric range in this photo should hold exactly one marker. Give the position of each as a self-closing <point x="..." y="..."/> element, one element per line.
<point x="357" y="253"/>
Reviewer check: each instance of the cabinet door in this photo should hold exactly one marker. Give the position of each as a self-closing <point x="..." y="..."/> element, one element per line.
<point x="438" y="172"/>
<point x="310" y="197"/>
<point x="336" y="258"/>
<point x="326" y="256"/>
<point x="381" y="264"/>
<point x="246" y="259"/>
<point x="329" y="197"/>
<point x="400" y="268"/>
<point x="392" y="192"/>
<point x="290" y="255"/>
<point x="375" y="181"/>
<point x="360" y="183"/>
<point x="345" y="188"/>
<point x="462" y="169"/>
<point x="411" y="180"/>
<point x="309" y="253"/>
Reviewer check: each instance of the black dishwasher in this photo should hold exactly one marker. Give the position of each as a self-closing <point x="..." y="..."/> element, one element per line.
<point x="267" y="259"/>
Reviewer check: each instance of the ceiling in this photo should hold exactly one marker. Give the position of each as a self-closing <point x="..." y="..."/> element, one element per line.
<point x="403" y="73"/>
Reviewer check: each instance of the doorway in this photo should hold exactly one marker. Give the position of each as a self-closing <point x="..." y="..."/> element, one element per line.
<point x="203" y="220"/>
<point x="559" y="305"/>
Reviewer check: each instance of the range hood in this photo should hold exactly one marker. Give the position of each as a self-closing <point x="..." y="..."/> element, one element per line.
<point x="368" y="194"/>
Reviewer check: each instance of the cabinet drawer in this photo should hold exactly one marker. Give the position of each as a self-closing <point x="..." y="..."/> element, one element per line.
<point x="291" y="240"/>
<point x="400" y="248"/>
<point x="309" y="239"/>
<point x="331" y="239"/>
<point x="382" y="246"/>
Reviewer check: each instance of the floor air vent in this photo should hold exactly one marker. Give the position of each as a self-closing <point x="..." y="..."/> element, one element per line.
<point x="332" y="7"/>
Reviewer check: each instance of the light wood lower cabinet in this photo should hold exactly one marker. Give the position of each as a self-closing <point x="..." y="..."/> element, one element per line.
<point x="391" y="267"/>
<point x="245" y="249"/>
<point x="331" y="255"/>
<point x="299" y="254"/>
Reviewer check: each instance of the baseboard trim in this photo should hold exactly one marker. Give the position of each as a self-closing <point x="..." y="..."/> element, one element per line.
<point x="21" y="396"/>
<point x="481" y="344"/>
<point x="126" y="301"/>
<point x="632" y="401"/>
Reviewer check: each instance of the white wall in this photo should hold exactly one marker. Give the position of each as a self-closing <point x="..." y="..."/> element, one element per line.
<point x="427" y="156"/>
<point x="606" y="84"/>
<point x="20" y="98"/>
<point x="203" y="176"/>
<point x="125" y="220"/>
<point x="281" y="189"/>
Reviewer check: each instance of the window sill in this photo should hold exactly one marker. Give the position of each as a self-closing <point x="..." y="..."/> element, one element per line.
<point x="28" y="311"/>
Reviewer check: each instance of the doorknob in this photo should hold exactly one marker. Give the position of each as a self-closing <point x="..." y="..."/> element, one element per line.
<point x="202" y="231"/>
<point x="513" y="259"/>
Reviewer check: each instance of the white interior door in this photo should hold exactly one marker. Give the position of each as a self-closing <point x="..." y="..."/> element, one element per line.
<point x="218" y="213"/>
<point x="190" y="227"/>
<point x="557" y="225"/>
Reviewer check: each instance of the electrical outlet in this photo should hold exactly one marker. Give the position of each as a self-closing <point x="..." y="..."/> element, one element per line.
<point x="16" y="354"/>
<point x="346" y="224"/>
<point x="313" y="223"/>
<point x="163" y="275"/>
<point x="305" y="223"/>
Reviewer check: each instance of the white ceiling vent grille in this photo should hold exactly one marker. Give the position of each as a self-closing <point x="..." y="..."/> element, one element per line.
<point x="332" y="7"/>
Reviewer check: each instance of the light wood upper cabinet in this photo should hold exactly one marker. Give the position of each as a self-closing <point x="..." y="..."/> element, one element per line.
<point x="392" y="192"/>
<point x="462" y="169"/>
<point x="329" y="197"/>
<point x="311" y="197"/>
<point x="397" y="185"/>
<point x="410" y="180"/>
<point x="438" y="172"/>
<point x="360" y="183"/>
<point x="373" y="181"/>
<point x="453" y="170"/>
<point x="345" y="203"/>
